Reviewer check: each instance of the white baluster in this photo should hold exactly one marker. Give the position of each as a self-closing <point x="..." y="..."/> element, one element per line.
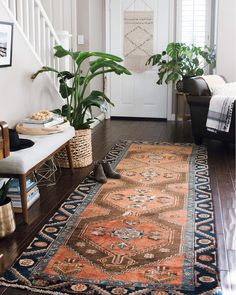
<point x="12" y="6"/>
<point x="38" y="31"/>
<point x="48" y="46"/>
<point x="26" y="18"/>
<point x="7" y="2"/>
<point x="44" y="15"/>
<point x="32" y="22"/>
<point x="19" y="12"/>
<point x="58" y="67"/>
<point x="65" y="40"/>
<point x="43" y="40"/>
<point x="53" y="60"/>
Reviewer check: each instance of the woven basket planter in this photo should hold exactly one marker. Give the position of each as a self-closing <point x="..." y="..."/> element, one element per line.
<point x="81" y="150"/>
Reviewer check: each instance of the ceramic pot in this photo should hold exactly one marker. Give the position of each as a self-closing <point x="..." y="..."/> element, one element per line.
<point x="186" y="83"/>
<point x="179" y="86"/>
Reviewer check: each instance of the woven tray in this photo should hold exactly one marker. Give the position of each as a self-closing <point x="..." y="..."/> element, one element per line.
<point x="42" y="131"/>
<point x="81" y="150"/>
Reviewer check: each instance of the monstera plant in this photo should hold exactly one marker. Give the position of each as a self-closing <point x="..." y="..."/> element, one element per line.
<point x="180" y="61"/>
<point x="73" y="87"/>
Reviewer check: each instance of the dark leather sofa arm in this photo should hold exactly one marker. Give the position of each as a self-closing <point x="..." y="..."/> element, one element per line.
<point x="196" y="86"/>
<point x="198" y="98"/>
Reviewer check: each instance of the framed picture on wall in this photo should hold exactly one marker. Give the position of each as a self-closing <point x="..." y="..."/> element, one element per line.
<point x="6" y="38"/>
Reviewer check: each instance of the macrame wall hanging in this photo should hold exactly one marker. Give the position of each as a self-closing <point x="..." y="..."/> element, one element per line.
<point x="138" y="37"/>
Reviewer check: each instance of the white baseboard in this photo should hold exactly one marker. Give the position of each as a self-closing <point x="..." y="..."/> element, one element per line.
<point x="102" y="117"/>
<point x="171" y="117"/>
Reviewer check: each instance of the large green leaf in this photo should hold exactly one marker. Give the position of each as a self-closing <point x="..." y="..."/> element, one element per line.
<point x="172" y="77"/>
<point x="42" y="70"/>
<point x="57" y="111"/>
<point x="61" y="52"/>
<point x="84" y="55"/>
<point x="66" y="75"/>
<point x="81" y="80"/>
<point x="92" y="101"/>
<point x="195" y="61"/>
<point x="107" y="56"/>
<point x="65" y="109"/>
<point x="101" y="63"/>
<point x="65" y="90"/>
<point x="199" y="72"/>
<point x="154" y="59"/>
<point x="173" y="49"/>
<point x="97" y="93"/>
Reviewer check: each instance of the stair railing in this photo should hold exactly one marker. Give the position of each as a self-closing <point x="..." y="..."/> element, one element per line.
<point x="32" y="20"/>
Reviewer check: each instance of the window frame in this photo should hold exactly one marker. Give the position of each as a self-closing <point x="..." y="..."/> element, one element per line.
<point x="209" y="21"/>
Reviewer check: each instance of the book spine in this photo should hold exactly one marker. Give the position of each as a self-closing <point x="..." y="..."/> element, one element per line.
<point x="44" y="125"/>
<point x="15" y="196"/>
<point x="30" y="201"/>
<point x="29" y="204"/>
<point x="16" y="190"/>
<point x="15" y="183"/>
<point x="33" y="121"/>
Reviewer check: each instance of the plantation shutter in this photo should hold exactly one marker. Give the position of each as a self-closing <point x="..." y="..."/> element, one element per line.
<point x="194" y="22"/>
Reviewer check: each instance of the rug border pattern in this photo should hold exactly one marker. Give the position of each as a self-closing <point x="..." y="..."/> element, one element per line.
<point x="114" y="156"/>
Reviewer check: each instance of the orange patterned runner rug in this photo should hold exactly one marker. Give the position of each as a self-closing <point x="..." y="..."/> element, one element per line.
<point x="150" y="232"/>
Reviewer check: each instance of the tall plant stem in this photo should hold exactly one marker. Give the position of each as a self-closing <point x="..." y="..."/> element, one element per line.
<point x="90" y="77"/>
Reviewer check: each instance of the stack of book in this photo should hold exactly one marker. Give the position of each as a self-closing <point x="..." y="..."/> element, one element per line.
<point x="45" y="123"/>
<point x="14" y="193"/>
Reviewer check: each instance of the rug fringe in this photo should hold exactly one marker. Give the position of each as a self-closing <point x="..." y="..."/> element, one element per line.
<point x="41" y="291"/>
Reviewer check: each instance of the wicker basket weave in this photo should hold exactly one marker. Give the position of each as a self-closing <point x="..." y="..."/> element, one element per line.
<point x="81" y="150"/>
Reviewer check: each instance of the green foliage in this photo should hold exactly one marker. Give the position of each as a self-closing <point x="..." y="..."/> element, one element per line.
<point x="73" y="85"/>
<point x="3" y="192"/>
<point x="181" y="60"/>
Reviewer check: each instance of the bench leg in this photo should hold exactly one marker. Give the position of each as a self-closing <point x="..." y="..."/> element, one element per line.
<point x="23" y="194"/>
<point x="69" y="156"/>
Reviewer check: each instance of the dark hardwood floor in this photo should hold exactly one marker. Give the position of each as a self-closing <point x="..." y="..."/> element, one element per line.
<point x="105" y="135"/>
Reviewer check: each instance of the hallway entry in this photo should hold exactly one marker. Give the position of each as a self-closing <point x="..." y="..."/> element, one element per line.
<point x="138" y="29"/>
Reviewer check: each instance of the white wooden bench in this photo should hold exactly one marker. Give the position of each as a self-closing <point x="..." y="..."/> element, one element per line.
<point x="22" y="163"/>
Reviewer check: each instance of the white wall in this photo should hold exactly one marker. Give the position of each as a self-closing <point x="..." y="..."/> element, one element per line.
<point x="97" y="36"/>
<point x="19" y="95"/>
<point x="97" y="25"/>
<point x="91" y="24"/>
<point x="226" y="39"/>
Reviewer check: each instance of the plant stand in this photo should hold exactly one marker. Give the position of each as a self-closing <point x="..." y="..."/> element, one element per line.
<point x="183" y="99"/>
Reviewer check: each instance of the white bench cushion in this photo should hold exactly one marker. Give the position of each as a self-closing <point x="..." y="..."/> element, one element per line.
<point x="22" y="161"/>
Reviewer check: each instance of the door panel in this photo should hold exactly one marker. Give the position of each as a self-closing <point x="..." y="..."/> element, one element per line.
<point x="139" y="95"/>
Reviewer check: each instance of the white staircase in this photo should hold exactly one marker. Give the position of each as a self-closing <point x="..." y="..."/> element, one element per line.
<point x="34" y="24"/>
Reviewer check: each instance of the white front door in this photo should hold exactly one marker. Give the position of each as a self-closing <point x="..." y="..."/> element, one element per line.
<point x="138" y="95"/>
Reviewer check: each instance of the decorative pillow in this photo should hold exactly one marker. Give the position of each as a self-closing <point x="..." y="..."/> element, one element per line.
<point x="228" y="89"/>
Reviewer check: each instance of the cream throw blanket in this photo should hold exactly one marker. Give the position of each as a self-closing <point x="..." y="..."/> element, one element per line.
<point x="221" y="107"/>
<point x="213" y="81"/>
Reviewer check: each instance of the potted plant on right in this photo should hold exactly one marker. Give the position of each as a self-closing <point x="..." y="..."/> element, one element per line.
<point x="7" y="224"/>
<point x="73" y="87"/>
<point x="180" y="61"/>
